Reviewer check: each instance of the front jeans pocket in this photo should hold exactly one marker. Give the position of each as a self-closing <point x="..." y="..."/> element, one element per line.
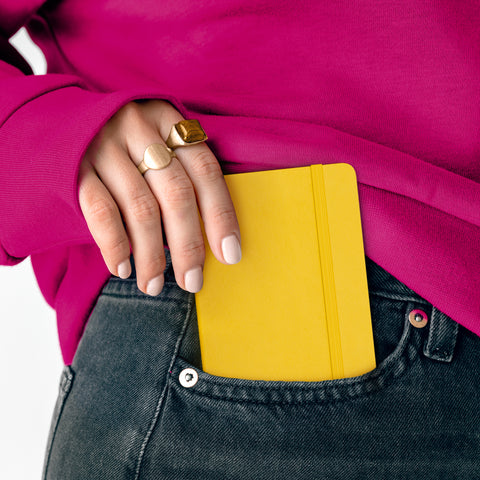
<point x="383" y="424"/>
<point x="395" y="353"/>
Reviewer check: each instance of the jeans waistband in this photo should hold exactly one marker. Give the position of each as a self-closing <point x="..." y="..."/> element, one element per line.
<point x="442" y="331"/>
<point x="380" y="282"/>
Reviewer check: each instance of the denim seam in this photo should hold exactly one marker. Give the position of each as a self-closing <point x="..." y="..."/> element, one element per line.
<point x="396" y="355"/>
<point x="400" y="297"/>
<point x="409" y="357"/>
<point x="306" y="402"/>
<point x="378" y="379"/>
<point x="163" y="395"/>
<point x="65" y="386"/>
<point x="116" y="285"/>
<point x="378" y="372"/>
<point x="130" y="294"/>
<point x="133" y="296"/>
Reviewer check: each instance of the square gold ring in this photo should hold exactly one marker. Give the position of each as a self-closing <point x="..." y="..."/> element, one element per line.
<point x="184" y="133"/>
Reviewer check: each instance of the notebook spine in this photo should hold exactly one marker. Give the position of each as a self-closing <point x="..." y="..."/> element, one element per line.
<point x="326" y="267"/>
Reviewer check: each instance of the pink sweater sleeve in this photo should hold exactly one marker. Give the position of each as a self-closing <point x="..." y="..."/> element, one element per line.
<point x="46" y="124"/>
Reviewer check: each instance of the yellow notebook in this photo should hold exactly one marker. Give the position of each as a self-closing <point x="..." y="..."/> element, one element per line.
<point x="296" y="306"/>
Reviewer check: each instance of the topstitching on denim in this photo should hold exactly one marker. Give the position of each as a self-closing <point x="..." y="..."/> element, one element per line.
<point x="65" y="385"/>
<point x="156" y="418"/>
<point x="283" y="393"/>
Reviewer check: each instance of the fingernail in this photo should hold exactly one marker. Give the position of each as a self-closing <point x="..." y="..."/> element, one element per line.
<point x="194" y="280"/>
<point x="155" y="286"/>
<point x="232" y="253"/>
<point x="124" y="269"/>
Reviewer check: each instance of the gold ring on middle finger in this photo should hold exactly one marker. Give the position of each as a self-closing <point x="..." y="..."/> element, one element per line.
<point x="185" y="133"/>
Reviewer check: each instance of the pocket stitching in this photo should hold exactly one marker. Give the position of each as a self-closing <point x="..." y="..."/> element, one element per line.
<point x="393" y="367"/>
<point x="342" y="396"/>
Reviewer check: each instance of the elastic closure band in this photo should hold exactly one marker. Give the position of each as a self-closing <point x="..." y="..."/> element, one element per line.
<point x="326" y="266"/>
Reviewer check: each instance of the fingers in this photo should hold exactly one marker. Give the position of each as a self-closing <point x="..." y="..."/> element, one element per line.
<point x="104" y="221"/>
<point x="122" y="207"/>
<point x="175" y="195"/>
<point x="140" y="212"/>
<point x="213" y="198"/>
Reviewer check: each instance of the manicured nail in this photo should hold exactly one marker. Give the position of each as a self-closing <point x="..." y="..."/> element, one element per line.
<point x="155" y="286"/>
<point x="232" y="253"/>
<point x="124" y="269"/>
<point x="194" y="280"/>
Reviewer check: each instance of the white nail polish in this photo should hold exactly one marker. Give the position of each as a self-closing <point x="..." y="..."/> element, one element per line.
<point x="232" y="253"/>
<point x="124" y="269"/>
<point x="194" y="280"/>
<point x="155" y="286"/>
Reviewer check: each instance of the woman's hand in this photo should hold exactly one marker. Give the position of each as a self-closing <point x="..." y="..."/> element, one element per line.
<point x="121" y="206"/>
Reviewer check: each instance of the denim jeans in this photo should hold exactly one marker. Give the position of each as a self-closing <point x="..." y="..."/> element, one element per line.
<point x="122" y="412"/>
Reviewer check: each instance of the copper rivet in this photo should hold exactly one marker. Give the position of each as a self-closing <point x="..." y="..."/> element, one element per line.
<point x="418" y="318"/>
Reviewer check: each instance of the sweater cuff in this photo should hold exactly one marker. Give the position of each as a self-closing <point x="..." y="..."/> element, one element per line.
<point x="41" y="148"/>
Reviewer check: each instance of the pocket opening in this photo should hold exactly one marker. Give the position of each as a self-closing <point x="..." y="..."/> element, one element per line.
<point x="298" y="392"/>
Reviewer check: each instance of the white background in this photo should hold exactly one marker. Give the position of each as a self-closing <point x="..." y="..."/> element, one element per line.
<point x="30" y="359"/>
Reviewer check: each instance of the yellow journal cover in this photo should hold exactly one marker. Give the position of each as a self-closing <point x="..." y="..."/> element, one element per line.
<point x="296" y="306"/>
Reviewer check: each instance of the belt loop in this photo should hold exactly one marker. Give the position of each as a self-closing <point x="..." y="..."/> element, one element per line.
<point x="442" y="337"/>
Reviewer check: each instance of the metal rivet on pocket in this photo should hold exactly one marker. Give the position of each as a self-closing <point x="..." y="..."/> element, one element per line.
<point x="418" y="318"/>
<point x="188" y="377"/>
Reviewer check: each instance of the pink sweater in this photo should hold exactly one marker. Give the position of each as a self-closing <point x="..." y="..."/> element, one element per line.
<point x="391" y="88"/>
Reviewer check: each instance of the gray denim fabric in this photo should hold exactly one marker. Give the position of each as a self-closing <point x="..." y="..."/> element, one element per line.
<point x="123" y="414"/>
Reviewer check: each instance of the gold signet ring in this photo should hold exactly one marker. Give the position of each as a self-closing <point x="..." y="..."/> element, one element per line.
<point x="184" y="133"/>
<point x="156" y="157"/>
